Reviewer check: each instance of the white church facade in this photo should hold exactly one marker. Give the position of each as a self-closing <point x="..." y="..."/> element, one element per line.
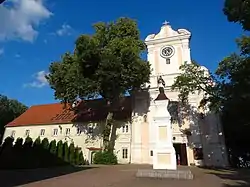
<point x="196" y="139"/>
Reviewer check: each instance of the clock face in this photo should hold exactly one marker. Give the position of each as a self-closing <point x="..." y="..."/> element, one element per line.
<point x="167" y="52"/>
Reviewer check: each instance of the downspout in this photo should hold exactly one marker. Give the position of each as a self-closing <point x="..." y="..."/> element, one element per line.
<point x="130" y="143"/>
<point x="131" y="127"/>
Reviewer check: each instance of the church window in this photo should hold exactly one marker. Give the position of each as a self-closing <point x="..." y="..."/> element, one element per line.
<point x="124" y="153"/>
<point x="125" y="128"/>
<point x="67" y="131"/>
<point x="13" y="133"/>
<point x="27" y="132"/>
<point x="151" y="153"/>
<point x="78" y="131"/>
<point x="42" y="132"/>
<point x="55" y="131"/>
<point x="145" y="118"/>
<point x="168" y="61"/>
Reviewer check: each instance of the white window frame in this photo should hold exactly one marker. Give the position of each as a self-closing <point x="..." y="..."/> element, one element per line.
<point x="13" y="133"/>
<point x="27" y="132"/>
<point x="78" y="131"/>
<point x="125" y="129"/>
<point x="124" y="153"/>
<point x="67" y="132"/>
<point x="42" y="132"/>
<point x="90" y="130"/>
<point x="55" y="130"/>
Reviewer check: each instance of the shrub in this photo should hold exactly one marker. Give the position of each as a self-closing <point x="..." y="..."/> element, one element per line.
<point x="28" y="159"/>
<point x="18" y="152"/>
<point x="72" y="153"/>
<point x="105" y="157"/>
<point x="81" y="159"/>
<point x="6" y="153"/>
<point x="66" y="152"/>
<point x="37" y="149"/>
<point x="45" y="143"/>
<point x="60" y="149"/>
<point x="52" y="147"/>
<point x="198" y="153"/>
<point x="77" y="156"/>
<point x="44" y="153"/>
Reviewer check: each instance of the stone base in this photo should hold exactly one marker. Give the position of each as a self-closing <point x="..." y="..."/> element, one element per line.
<point x="164" y="158"/>
<point x="167" y="174"/>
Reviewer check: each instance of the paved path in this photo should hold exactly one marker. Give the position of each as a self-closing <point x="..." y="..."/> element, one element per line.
<point x="105" y="176"/>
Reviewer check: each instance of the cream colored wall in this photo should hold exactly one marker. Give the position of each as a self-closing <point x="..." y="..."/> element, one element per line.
<point x="84" y="140"/>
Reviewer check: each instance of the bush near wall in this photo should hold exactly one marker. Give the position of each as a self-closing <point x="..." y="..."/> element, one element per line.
<point x="26" y="154"/>
<point x="105" y="157"/>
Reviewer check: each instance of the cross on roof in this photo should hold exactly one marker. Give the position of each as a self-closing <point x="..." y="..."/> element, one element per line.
<point x="165" y="22"/>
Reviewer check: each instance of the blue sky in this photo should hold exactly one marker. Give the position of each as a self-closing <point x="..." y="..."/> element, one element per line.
<point x="34" y="33"/>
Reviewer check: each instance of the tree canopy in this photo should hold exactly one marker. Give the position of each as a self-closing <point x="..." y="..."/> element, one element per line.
<point x="238" y="11"/>
<point x="9" y="110"/>
<point x="229" y="94"/>
<point x="107" y="63"/>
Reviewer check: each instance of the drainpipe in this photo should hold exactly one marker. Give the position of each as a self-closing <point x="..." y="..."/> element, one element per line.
<point x="130" y="143"/>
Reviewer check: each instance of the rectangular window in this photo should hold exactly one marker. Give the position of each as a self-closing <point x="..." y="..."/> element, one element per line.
<point x="151" y="153"/>
<point x="27" y="132"/>
<point x="78" y="131"/>
<point x="13" y="133"/>
<point x="55" y="132"/>
<point x="125" y="128"/>
<point x="42" y="133"/>
<point x="67" y="131"/>
<point x="125" y="153"/>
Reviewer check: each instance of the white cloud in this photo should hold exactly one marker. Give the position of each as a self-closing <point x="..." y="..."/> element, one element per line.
<point x="64" y="30"/>
<point x="40" y="80"/>
<point x="1" y="51"/>
<point x="20" y="19"/>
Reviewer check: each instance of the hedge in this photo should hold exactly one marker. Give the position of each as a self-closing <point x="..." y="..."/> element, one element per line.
<point x="26" y="154"/>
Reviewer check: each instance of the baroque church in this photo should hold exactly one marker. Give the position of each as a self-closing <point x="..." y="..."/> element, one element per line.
<point x="197" y="136"/>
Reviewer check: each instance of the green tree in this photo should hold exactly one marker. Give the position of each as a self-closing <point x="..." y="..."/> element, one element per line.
<point x="60" y="149"/>
<point x="45" y="153"/>
<point x="81" y="159"/>
<point x="53" y="155"/>
<point x="28" y="158"/>
<point x="9" y="110"/>
<point x="77" y="156"/>
<point x="18" y="152"/>
<point x="45" y="144"/>
<point x="238" y="11"/>
<point x="52" y="147"/>
<point x="66" y="152"/>
<point x="230" y="92"/>
<point x="107" y="63"/>
<point x="72" y="153"/>
<point x="6" y="153"/>
<point x="37" y="150"/>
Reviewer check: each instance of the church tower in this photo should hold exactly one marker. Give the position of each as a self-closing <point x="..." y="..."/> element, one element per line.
<point x="167" y="51"/>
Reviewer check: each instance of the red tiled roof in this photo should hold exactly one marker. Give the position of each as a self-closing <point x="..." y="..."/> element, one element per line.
<point x="91" y="110"/>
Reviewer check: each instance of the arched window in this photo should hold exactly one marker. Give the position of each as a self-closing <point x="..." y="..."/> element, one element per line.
<point x="145" y="118"/>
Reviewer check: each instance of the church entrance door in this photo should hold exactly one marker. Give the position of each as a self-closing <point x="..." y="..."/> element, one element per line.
<point x="181" y="153"/>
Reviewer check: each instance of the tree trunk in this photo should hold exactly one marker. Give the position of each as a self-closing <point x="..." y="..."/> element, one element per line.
<point x="109" y="133"/>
